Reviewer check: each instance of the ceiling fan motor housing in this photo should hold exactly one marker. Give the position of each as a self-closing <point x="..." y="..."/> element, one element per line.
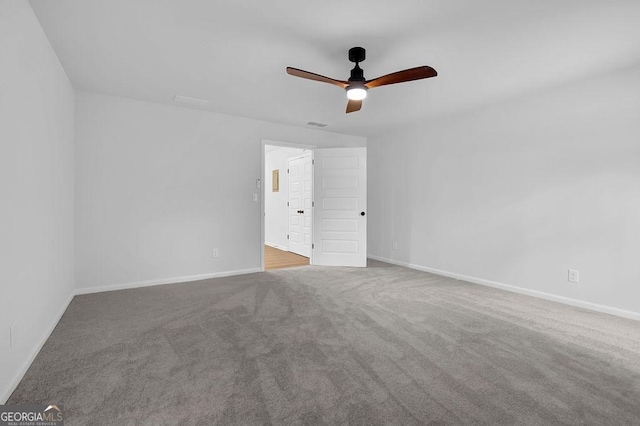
<point x="357" y="74"/>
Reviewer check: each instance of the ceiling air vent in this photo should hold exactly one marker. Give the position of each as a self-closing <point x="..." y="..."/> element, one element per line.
<point x="190" y="101"/>
<point x="313" y="123"/>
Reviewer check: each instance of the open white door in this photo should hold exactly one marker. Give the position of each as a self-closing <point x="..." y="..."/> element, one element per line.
<point x="339" y="215"/>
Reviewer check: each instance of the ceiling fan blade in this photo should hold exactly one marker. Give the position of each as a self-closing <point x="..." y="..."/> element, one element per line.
<point x="316" y="77"/>
<point x="354" y="106"/>
<point x="411" y="74"/>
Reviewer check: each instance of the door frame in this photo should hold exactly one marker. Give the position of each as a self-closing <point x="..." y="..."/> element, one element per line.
<point x="263" y="189"/>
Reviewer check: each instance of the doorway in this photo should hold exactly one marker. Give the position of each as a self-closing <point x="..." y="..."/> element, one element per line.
<point x="288" y="184"/>
<point x="337" y="220"/>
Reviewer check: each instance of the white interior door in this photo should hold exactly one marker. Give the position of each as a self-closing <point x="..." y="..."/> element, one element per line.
<point x="300" y="203"/>
<point x="339" y="216"/>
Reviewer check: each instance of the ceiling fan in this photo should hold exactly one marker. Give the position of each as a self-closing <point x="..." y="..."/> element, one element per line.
<point x="357" y="86"/>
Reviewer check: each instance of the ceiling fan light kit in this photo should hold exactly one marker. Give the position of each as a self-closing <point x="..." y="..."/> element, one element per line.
<point x="356" y="93"/>
<point x="357" y="86"/>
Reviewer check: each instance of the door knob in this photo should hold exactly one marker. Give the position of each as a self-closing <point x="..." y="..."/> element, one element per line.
<point x="361" y="213"/>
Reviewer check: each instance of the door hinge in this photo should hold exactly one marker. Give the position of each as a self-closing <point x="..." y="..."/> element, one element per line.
<point x="313" y="161"/>
<point x="287" y="170"/>
<point x="287" y="204"/>
<point x="313" y="204"/>
<point x="287" y="236"/>
<point x="313" y="246"/>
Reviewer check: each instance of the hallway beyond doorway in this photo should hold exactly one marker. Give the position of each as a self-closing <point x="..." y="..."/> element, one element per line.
<point x="279" y="259"/>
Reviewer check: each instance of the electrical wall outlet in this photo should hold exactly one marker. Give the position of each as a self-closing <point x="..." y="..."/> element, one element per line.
<point x="215" y="253"/>
<point x="574" y="276"/>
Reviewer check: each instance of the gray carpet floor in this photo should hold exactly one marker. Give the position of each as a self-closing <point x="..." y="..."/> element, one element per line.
<point x="316" y="345"/>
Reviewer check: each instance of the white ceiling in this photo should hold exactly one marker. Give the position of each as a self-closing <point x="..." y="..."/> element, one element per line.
<point x="234" y="53"/>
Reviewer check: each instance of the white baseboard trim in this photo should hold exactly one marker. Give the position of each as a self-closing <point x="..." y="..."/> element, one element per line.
<point x="163" y="281"/>
<point x="34" y="353"/>
<point x="274" y="245"/>
<point x="539" y="294"/>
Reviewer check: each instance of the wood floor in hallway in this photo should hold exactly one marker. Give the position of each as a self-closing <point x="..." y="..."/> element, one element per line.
<point x="279" y="259"/>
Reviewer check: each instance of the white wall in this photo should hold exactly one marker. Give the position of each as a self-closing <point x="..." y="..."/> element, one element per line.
<point x="158" y="187"/>
<point x="36" y="183"/>
<point x="276" y="220"/>
<point x="518" y="193"/>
